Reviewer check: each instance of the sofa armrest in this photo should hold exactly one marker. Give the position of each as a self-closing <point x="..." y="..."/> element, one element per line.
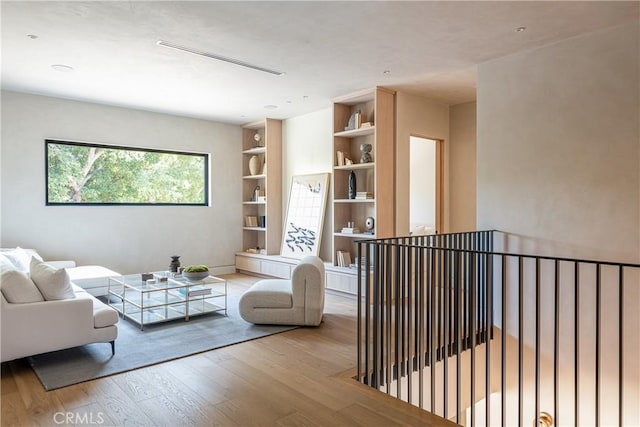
<point x="61" y="264"/>
<point x="37" y="327"/>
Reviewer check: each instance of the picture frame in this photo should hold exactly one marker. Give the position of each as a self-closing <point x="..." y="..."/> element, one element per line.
<point x="305" y="215"/>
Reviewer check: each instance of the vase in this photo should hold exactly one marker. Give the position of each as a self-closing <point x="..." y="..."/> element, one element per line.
<point x="365" y="157"/>
<point x="174" y="264"/>
<point x="352" y="185"/>
<point x="254" y="165"/>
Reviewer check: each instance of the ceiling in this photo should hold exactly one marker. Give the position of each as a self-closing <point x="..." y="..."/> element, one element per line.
<point x="326" y="49"/>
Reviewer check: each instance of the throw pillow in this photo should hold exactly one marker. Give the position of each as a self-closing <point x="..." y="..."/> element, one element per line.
<point x="54" y="284"/>
<point x="17" y="288"/>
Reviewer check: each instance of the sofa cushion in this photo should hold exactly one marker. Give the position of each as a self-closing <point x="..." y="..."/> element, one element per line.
<point x="6" y="264"/>
<point x="21" y="258"/>
<point x="54" y="284"/>
<point x="17" y="288"/>
<point x="271" y="293"/>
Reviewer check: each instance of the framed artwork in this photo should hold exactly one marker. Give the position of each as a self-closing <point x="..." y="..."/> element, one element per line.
<point x="305" y="215"/>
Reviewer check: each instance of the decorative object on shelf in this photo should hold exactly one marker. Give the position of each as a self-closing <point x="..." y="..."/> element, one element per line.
<point x="369" y="223"/>
<point x="350" y="228"/>
<point x="352" y="185"/>
<point x="174" y="264"/>
<point x="305" y="215"/>
<point x="354" y="121"/>
<point x="262" y="221"/>
<point x="195" y="272"/>
<point x="365" y="157"/>
<point x="256" y="194"/>
<point x="257" y="138"/>
<point x="254" y="165"/>
<point x="348" y="162"/>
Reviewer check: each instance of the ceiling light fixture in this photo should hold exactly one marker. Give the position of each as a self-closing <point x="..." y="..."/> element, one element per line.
<point x="270" y="107"/>
<point x="62" y="68"/>
<point x="520" y="29"/>
<point x="218" y="57"/>
<point x="386" y="72"/>
<point x="32" y="36"/>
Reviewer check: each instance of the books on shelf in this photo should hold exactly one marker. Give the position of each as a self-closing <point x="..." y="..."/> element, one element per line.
<point x="343" y="258"/>
<point x="250" y="221"/>
<point x="350" y="230"/>
<point x="364" y="195"/>
<point x="196" y="291"/>
<point x="339" y="158"/>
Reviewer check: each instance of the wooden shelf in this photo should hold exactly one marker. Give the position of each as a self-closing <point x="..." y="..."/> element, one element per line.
<point x="355" y="166"/>
<point x="255" y="150"/>
<point x="376" y="178"/>
<point x="354" y="201"/>
<point x="354" y="133"/>
<point x="355" y="235"/>
<point x="268" y="148"/>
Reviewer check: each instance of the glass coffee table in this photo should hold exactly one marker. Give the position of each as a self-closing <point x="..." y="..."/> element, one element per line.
<point x="165" y="297"/>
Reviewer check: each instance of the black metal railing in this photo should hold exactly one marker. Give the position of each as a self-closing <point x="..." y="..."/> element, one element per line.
<point x="448" y="321"/>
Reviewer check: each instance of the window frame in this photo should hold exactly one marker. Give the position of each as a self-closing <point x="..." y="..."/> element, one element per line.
<point x="205" y="156"/>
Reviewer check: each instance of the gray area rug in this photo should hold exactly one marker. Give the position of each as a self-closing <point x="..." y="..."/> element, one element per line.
<point x="157" y="343"/>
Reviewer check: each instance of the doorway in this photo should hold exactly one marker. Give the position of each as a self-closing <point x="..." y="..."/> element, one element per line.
<point x="425" y="185"/>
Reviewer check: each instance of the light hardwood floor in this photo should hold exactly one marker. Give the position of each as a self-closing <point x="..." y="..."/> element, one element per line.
<point x="301" y="377"/>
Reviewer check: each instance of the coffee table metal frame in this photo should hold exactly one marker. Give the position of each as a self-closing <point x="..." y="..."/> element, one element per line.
<point x="169" y="298"/>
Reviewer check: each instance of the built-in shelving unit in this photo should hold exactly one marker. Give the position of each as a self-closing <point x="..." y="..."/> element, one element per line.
<point x="374" y="125"/>
<point x="262" y="190"/>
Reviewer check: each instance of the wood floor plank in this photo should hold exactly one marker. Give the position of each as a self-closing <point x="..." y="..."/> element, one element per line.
<point x="297" y="378"/>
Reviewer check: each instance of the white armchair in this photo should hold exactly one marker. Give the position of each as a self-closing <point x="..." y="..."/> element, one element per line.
<point x="299" y="301"/>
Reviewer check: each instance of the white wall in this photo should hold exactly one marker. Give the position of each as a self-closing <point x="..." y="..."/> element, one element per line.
<point x="127" y="239"/>
<point x="558" y="146"/>
<point x="422" y="117"/>
<point x="307" y="143"/>
<point x="462" y="172"/>
<point x="558" y="159"/>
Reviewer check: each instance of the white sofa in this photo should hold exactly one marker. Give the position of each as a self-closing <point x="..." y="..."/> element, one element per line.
<point x="39" y="326"/>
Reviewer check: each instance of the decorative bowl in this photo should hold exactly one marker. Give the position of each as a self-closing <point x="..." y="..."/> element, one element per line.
<point x="195" y="276"/>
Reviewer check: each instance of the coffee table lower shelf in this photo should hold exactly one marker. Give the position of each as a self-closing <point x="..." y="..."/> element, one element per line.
<point x="160" y="314"/>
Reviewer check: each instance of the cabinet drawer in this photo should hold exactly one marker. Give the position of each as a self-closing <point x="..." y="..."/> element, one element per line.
<point x="275" y="269"/>
<point x="248" y="264"/>
<point x="341" y="282"/>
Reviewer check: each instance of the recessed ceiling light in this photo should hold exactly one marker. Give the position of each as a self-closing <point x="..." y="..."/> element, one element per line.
<point x="32" y="36"/>
<point x="520" y="29"/>
<point x="386" y="72"/>
<point x="270" y="107"/>
<point x="62" y="68"/>
<point x="218" y="57"/>
<point x="289" y="101"/>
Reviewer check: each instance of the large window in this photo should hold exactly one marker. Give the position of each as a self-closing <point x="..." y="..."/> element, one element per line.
<point x="94" y="174"/>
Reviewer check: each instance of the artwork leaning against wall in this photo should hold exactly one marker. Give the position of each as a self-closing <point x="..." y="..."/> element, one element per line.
<point x="97" y="174"/>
